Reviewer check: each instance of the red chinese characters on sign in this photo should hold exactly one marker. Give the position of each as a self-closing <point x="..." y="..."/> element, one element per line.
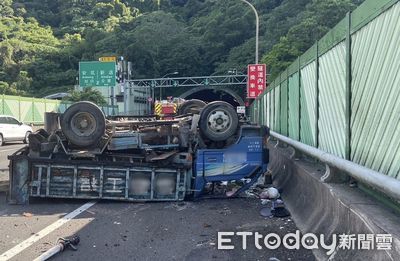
<point x="256" y="80"/>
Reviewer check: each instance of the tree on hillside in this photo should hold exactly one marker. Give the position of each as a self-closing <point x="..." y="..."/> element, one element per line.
<point x="42" y="41"/>
<point x="6" y="9"/>
<point x="23" y="41"/>
<point x="157" y="43"/>
<point x="6" y="89"/>
<point x="88" y="94"/>
<point x="320" y="16"/>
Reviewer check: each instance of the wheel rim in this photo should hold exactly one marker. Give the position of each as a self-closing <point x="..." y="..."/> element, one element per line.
<point x="27" y="137"/>
<point x="219" y="121"/>
<point x="83" y="124"/>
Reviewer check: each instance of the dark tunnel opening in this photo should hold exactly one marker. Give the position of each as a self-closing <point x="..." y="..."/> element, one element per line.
<point x="209" y="95"/>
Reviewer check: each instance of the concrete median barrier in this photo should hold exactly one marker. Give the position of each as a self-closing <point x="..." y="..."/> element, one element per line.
<point x="332" y="208"/>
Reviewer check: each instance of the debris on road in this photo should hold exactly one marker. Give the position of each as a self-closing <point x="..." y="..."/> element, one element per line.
<point x="209" y="242"/>
<point x="265" y="201"/>
<point x="280" y="211"/>
<point x="62" y="244"/>
<point x="273" y="259"/>
<point x="270" y="193"/>
<point x="275" y="207"/>
<point x="225" y="211"/>
<point x="27" y="214"/>
<point x="91" y="212"/>
<point x="232" y="192"/>
<point x="179" y="206"/>
<point x="266" y="212"/>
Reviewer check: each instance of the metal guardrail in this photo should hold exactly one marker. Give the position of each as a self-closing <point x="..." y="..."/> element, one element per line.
<point x="329" y="99"/>
<point x="199" y="81"/>
<point x="385" y="184"/>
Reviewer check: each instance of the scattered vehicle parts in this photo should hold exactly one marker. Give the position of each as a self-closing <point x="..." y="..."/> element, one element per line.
<point x="62" y="244"/>
<point x="270" y="193"/>
<point x="27" y="214"/>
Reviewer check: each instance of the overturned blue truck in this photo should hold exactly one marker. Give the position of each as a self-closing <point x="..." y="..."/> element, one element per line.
<point x="201" y="152"/>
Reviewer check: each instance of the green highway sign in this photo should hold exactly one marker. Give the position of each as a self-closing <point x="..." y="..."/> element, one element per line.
<point x="97" y="74"/>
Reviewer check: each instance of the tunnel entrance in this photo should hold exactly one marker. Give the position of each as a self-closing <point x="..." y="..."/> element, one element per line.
<point x="209" y="95"/>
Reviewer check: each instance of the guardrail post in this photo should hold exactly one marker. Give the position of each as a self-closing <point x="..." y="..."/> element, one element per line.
<point x="299" y="108"/>
<point x="287" y="102"/>
<point x="348" y="90"/>
<point x="269" y="109"/>
<point x="19" y="108"/>
<point x="316" y="96"/>
<point x="33" y="109"/>
<point x="279" y="121"/>
<point x="262" y="115"/>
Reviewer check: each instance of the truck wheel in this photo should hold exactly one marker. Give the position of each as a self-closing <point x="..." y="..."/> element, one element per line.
<point x="218" y="121"/>
<point x="191" y="106"/>
<point x="83" y="124"/>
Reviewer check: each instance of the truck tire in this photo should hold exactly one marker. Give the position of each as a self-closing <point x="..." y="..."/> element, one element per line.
<point x="218" y="121"/>
<point x="83" y="124"/>
<point x="191" y="106"/>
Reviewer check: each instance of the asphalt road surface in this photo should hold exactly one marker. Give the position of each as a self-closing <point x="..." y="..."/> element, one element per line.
<point x="112" y="230"/>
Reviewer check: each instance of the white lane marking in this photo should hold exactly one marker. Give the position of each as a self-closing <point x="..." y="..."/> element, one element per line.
<point x="42" y="233"/>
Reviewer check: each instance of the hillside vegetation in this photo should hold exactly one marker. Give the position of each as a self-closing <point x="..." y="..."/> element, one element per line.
<point x="42" y="41"/>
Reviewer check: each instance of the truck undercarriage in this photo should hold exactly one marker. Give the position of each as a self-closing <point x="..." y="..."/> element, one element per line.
<point x="81" y="154"/>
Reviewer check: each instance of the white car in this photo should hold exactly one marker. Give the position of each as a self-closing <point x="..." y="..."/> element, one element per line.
<point x="13" y="130"/>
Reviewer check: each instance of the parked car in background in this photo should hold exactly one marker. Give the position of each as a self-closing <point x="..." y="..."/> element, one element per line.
<point x="12" y="129"/>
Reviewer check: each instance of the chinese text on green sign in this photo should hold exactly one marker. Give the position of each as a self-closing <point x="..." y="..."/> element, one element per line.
<point x="97" y="74"/>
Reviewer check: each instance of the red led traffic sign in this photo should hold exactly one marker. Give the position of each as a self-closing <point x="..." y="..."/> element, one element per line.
<point x="256" y="80"/>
